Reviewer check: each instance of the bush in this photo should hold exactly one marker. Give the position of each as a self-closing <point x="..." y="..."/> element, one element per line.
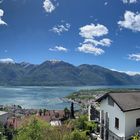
<point x="136" y="137"/>
<point x="76" y="135"/>
<point x="32" y="130"/>
<point x="36" y="129"/>
<point x="80" y="122"/>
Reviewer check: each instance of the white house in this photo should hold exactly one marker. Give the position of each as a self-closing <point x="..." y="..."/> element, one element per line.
<point x="55" y="122"/>
<point x="3" y="117"/>
<point x="119" y="115"/>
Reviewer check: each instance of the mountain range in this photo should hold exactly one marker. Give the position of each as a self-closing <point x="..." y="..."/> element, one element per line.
<point x="60" y="73"/>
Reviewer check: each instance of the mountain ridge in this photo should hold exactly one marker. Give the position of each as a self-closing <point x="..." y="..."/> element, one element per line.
<point x="60" y="73"/>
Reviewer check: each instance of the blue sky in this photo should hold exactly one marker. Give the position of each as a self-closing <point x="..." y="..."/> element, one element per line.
<point x="102" y="32"/>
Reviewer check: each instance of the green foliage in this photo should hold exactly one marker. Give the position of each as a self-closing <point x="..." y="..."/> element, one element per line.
<point x="72" y="111"/>
<point x="136" y="137"/>
<point x="83" y="124"/>
<point x="40" y="112"/>
<point x="66" y="113"/>
<point x="44" y="111"/>
<point x="4" y="132"/>
<point x="91" y="126"/>
<point x="36" y="129"/>
<point x="76" y="135"/>
<point x="1" y="132"/>
<point x="33" y="130"/>
<point x="80" y="123"/>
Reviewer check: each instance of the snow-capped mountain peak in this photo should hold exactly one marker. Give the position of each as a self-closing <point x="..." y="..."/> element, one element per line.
<point x="54" y="61"/>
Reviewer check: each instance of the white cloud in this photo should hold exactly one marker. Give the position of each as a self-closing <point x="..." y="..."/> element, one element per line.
<point x="1" y="15"/>
<point x="7" y="61"/>
<point x="135" y="57"/>
<point x="102" y="42"/>
<point x="91" y="31"/>
<point x="59" y="48"/>
<point x="89" y="48"/>
<point x="105" y="42"/>
<point x="131" y="21"/>
<point x="48" y="6"/>
<point x="131" y="73"/>
<point x="61" y="28"/>
<point x="91" y="44"/>
<point x="129" y="1"/>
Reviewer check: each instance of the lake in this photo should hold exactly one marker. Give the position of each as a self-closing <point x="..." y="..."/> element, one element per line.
<point x="42" y="97"/>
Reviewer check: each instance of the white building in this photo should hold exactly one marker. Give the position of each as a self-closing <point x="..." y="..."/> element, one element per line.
<point x="55" y="123"/>
<point x="119" y="115"/>
<point x="3" y="117"/>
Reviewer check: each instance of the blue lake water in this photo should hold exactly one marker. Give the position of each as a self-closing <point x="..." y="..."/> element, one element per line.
<point x="42" y="97"/>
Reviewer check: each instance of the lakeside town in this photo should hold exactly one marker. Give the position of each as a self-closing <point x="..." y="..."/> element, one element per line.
<point x="96" y="117"/>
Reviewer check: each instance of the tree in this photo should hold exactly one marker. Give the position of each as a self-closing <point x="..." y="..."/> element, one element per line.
<point x="72" y="111"/>
<point x="40" y="112"/>
<point x="2" y="137"/>
<point x="32" y="130"/>
<point x="66" y="113"/>
<point x="76" y="135"/>
<point x="90" y="126"/>
<point x="37" y="129"/>
<point x="44" y="112"/>
<point x="80" y="123"/>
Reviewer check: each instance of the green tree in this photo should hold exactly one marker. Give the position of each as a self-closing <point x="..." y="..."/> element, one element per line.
<point x="40" y="112"/>
<point x="72" y="111"/>
<point x="90" y="126"/>
<point x="44" y="111"/>
<point x="36" y="129"/>
<point x="76" y="135"/>
<point x="66" y="113"/>
<point x="32" y="130"/>
<point x="80" y="123"/>
<point x="2" y="131"/>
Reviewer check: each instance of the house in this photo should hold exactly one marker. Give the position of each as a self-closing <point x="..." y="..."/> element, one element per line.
<point x="54" y="117"/>
<point x="3" y="117"/>
<point x="56" y="122"/>
<point x="119" y="115"/>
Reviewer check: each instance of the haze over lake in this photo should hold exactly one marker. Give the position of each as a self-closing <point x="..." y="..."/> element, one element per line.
<point x="42" y="97"/>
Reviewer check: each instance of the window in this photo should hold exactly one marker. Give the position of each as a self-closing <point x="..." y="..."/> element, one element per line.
<point x="110" y="101"/>
<point x="116" y="123"/>
<point x="138" y="122"/>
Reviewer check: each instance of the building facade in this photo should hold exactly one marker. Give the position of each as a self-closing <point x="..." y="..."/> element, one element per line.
<point x="119" y="115"/>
